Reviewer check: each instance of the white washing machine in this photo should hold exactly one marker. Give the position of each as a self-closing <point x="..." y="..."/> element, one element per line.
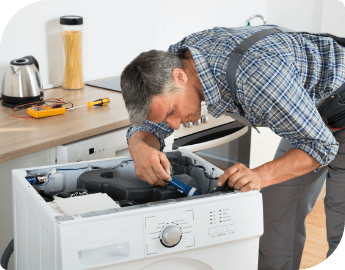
<point x="218" y="230"/>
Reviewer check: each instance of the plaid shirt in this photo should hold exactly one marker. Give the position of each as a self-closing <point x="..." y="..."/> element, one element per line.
<point x="280" y="79"/>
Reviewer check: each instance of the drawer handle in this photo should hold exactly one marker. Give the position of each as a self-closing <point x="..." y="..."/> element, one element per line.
<point x="216" y="142"/>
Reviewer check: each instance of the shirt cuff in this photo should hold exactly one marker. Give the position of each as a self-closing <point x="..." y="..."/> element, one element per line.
<point x="161" y="131"/>
<point x="324" y="154"/>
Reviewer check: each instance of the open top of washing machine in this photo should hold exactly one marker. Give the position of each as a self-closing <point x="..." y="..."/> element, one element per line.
<point x="99" y="214"/>
<point x="117" y="179"/>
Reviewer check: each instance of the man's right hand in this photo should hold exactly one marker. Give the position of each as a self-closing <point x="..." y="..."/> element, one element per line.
<point x="151" y="165"/>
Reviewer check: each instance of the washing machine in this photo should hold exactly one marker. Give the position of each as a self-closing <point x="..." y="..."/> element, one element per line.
<point x="99" y="215"/>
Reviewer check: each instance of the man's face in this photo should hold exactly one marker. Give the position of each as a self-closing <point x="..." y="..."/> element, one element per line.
<point x="176" y="108"/>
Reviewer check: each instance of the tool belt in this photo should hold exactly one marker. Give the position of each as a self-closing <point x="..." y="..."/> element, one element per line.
<point x="332" y="109"/>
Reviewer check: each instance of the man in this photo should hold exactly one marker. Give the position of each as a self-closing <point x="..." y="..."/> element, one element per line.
<point x="279" y="82"/>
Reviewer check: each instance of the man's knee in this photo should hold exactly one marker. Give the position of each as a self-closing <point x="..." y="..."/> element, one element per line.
<point x="274" y="259"/>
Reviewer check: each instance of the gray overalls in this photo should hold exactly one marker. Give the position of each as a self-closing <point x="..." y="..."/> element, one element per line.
<point x="287" y="204"/>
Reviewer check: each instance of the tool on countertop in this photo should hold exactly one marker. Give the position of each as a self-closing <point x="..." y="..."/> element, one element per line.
<point x="90" y="104"/>
<point x="44" y="103"/>
<point x="57" y="109"/>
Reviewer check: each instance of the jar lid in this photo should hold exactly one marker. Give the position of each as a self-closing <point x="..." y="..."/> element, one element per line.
<point x="71" y="20"/>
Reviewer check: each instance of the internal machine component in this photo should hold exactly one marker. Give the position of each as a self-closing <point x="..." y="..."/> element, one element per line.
<point x="121" y="184"/>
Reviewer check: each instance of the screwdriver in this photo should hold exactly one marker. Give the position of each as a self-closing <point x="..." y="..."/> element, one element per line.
<point x="40" y="112"/>
<point x="90" y="104"/>
<point x="183" y="188"/>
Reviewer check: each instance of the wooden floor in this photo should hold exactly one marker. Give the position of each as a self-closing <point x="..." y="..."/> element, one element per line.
<point x="316" y="245"/>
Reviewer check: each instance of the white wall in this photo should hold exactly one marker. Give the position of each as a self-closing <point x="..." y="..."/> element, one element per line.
<point x="308" y="15"/>
<point x="115" y="31"/>
<point x="333" y="17"/>
<point x="297" y="15"/>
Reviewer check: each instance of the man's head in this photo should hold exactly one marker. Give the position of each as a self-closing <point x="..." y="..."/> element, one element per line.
<point x="148" y="75"/>
<point x="157" y="85"/>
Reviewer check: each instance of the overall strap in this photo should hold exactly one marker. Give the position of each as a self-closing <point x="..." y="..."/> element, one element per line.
<point x="341" y="90"/>
<point x="237" y="54"/>
<point x="235" y="58"/>
<point x="240" y="50"/>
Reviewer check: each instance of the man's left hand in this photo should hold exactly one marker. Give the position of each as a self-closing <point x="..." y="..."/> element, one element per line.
<point x="242" y="178"/>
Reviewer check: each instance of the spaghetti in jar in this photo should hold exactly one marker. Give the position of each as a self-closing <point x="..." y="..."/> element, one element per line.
<point x="71" y="30"/>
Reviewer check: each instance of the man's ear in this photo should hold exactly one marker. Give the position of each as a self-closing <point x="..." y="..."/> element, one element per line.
<point x="180" y="77"/>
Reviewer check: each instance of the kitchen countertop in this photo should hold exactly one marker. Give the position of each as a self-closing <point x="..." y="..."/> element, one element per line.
<point x="23" y="136"/>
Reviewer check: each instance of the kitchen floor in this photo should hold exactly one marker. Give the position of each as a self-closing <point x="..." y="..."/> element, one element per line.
<point x="316" y="245"/>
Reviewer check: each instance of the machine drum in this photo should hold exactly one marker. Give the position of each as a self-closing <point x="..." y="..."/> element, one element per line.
<point x="123" y="184"/>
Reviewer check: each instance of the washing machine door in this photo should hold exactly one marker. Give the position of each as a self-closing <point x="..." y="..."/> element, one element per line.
<point x="178" y="263"/>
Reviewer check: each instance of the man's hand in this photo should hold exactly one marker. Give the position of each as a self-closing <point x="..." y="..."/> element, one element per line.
<point x="151" y="165"/>
<point x="293" y="163"/>
<point x="242" y="178"/>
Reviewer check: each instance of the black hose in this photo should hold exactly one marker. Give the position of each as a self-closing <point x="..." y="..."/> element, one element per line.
<point x="47" y="197"/>
<point x="7" y="254"/>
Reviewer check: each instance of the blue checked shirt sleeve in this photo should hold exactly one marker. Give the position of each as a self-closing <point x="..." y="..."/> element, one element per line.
<point x="161" y="131"/>
<point x="273" y="94"/>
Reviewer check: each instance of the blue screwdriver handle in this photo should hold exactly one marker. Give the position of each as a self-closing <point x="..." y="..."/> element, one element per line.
<point x="183" y="188"/>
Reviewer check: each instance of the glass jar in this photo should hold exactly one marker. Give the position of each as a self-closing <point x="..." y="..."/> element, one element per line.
<point x="71" y="30"/>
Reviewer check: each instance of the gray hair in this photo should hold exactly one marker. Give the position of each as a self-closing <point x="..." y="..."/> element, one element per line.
<point x="148" y="75"/>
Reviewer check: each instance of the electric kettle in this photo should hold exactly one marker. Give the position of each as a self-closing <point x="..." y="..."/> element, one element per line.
<point x="22" y="82"/>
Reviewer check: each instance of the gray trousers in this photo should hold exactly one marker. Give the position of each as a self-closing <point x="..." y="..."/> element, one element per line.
<point x="286" y="206"/>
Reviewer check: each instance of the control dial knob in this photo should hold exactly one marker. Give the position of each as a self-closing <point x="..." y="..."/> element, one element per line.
<point x="204" y="119"/>
<point x="171" y="236"/>
<point x="198" y="123"/>
<point x="188" y="124"/>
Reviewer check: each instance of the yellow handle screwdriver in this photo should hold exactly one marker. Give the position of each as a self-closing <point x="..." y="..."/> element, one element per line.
<point x="90" y="104"/>
<point x="40" y="112"/>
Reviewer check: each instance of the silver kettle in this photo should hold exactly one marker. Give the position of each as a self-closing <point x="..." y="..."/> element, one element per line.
<point x="22" y="82"/>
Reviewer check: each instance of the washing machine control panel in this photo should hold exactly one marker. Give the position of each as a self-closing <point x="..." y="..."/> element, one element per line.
<point x="221" y="222"/>
<point x="171" y="235"/>
<point x="171" y="229"/>
<point x="207" y="221"/>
